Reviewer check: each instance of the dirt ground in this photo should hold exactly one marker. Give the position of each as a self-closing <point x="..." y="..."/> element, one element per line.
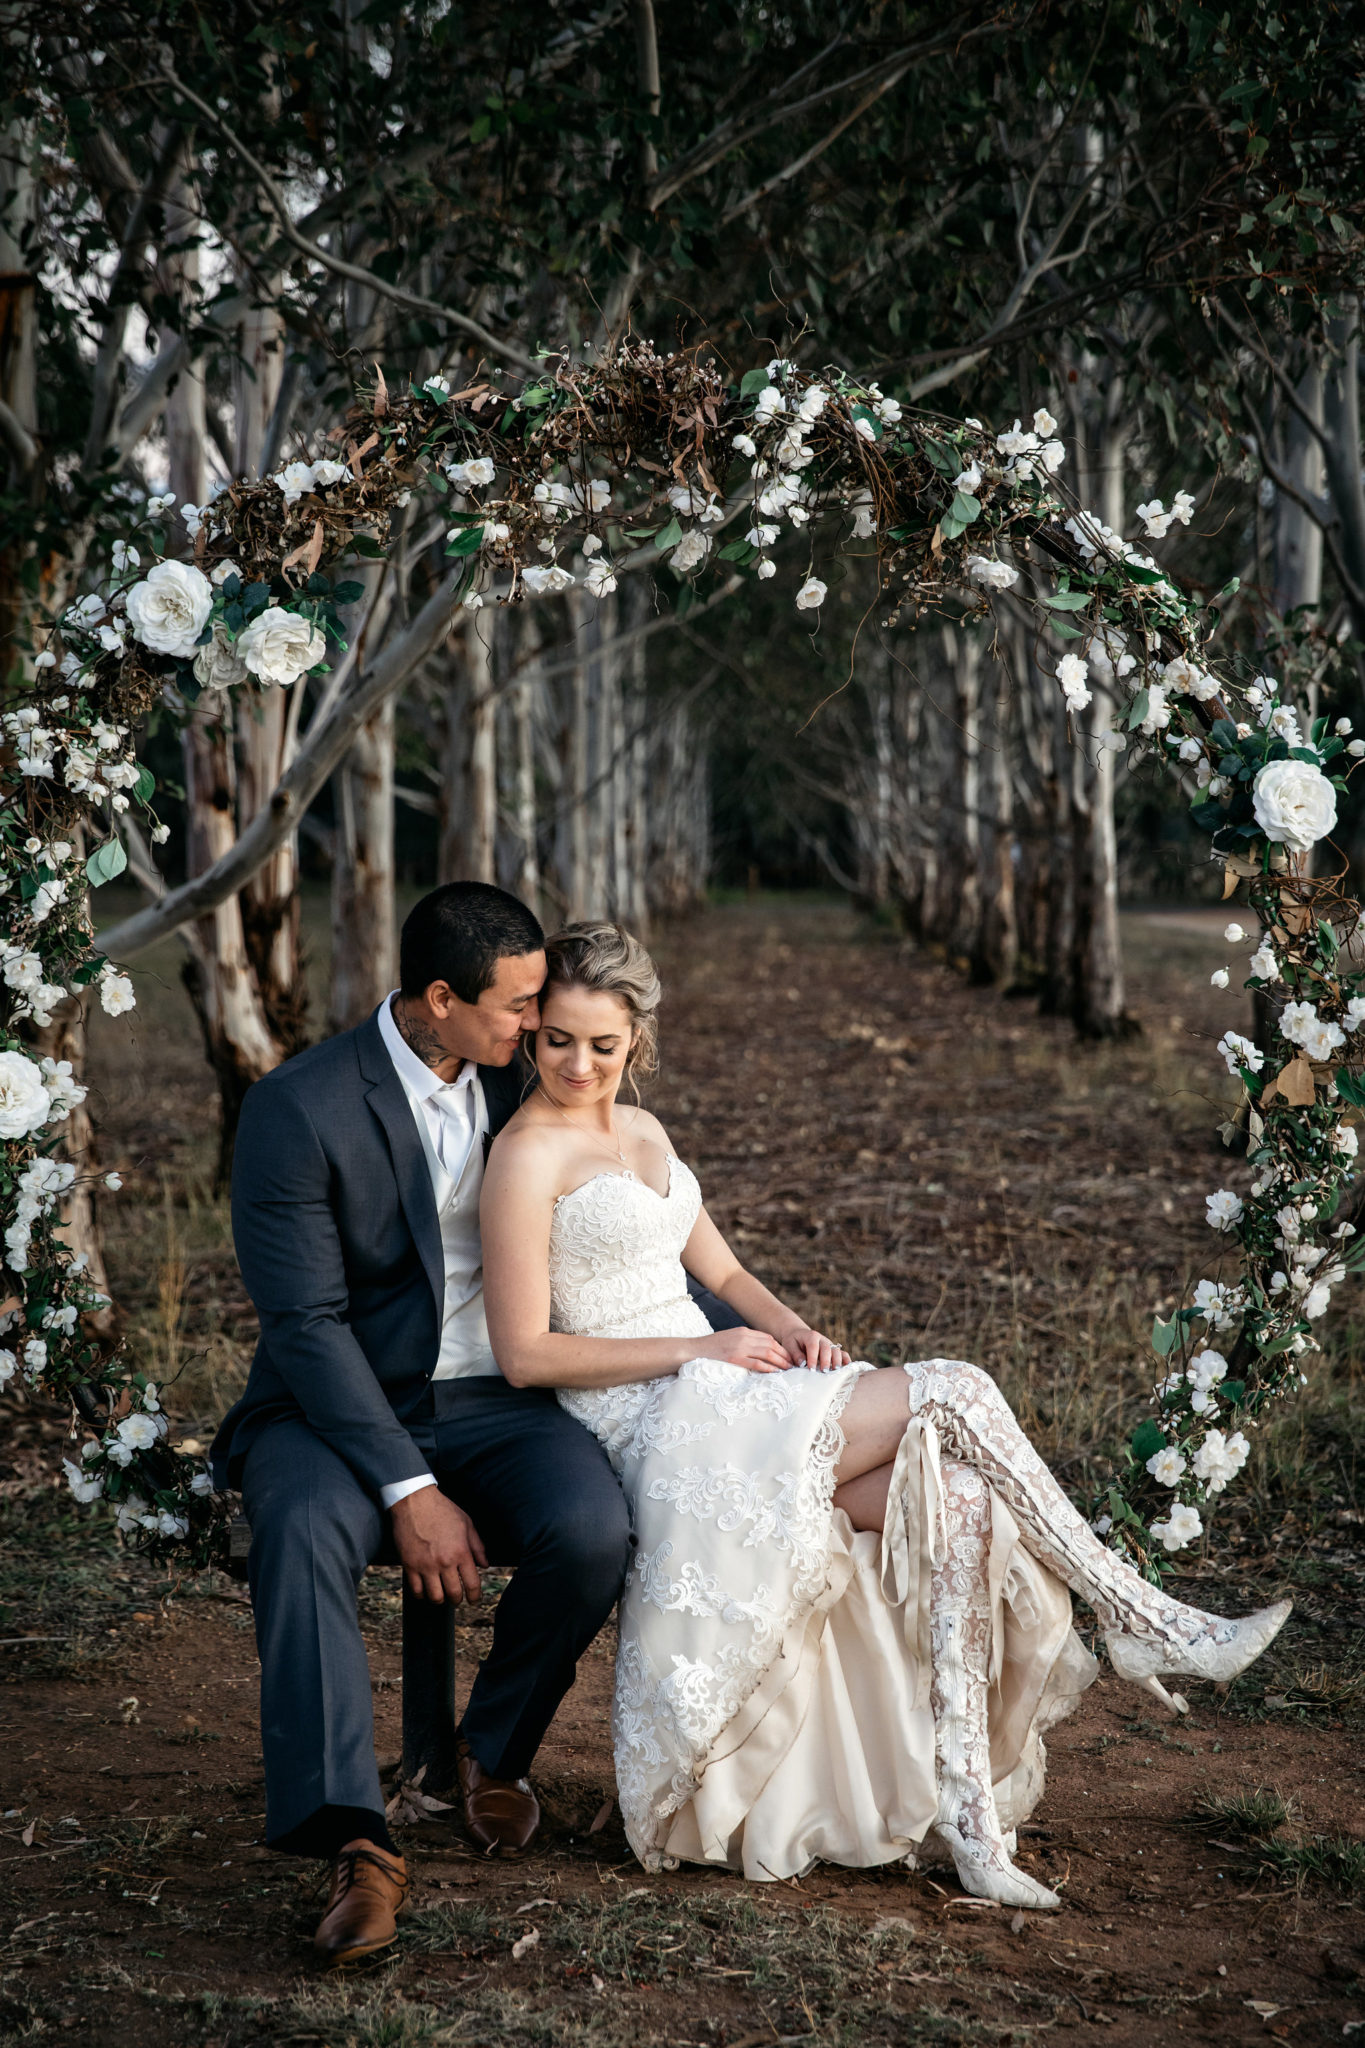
<point x="924" y="1166"/>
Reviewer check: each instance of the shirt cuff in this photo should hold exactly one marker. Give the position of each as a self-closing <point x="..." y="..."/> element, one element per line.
<point x="389" y="1496"/>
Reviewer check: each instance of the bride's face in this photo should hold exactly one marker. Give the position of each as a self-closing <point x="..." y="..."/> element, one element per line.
<point x="582" y="1046"/>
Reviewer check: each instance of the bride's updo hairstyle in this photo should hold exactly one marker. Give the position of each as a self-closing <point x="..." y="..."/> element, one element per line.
<point x="605" y="960"/>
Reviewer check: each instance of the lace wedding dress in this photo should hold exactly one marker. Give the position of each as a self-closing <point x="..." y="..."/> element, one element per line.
<point x="782" y="1678"/>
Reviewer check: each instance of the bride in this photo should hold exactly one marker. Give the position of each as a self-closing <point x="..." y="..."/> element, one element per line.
<point x="847" y="1622"/>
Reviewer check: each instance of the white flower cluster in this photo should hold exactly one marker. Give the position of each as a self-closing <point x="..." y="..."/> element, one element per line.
<point x="298" y="479"/>
<point x="1030" y="452"/>
<point x="1158" y="522"/>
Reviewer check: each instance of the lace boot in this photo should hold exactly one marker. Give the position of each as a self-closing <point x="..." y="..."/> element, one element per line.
<point x="1149" y="1635"/>
<point x="960" y="1633"/>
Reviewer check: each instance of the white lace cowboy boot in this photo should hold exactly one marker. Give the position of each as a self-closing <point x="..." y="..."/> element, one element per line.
<point x="1149" y="1635"/>
<point x="960" y="1634"/>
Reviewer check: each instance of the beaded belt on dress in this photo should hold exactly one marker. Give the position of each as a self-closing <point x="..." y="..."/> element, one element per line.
<point x="651" y="1315"/>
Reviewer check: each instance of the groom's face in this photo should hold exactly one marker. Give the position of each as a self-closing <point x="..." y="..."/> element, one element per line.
<point x="489" y="1031"/>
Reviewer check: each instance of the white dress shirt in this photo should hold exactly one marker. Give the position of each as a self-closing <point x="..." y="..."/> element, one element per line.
<point x="450" y="1110"/>
<point x="451" y="1119"/>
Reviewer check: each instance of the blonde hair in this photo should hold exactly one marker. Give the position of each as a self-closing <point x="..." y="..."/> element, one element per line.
<point x="607" y="960"/>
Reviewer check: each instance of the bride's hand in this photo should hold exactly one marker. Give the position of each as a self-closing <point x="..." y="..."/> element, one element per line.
<point x="807" y="1347"/>
<point x="755" y="1350"/>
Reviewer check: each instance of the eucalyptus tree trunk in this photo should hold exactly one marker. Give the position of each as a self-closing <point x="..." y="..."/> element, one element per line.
<point x="635" y="897"/>
<point x="1342" y="449"/>
<point x="576" y="754"/>
<point x="525" y="876"/>
<point x="220" y="974"/>
<point x="467" y="848"/>
<point x="364" y="935"/>
<point x="1298" y="536"/>
<point x="21" y="465"/>
<point x="1097" y="999"/>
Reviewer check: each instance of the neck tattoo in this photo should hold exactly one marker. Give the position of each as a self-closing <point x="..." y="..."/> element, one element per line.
<point x="418" y="1034"/>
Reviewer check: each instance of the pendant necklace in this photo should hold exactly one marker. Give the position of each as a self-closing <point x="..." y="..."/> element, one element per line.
<point x="596" y="1136"/>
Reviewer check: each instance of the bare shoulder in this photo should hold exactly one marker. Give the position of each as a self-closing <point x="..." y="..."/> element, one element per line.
<point x="640" y="1123"/>
<point x="529" y="1151"/>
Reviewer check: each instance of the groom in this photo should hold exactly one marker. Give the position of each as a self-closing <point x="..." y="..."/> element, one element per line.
<point x="374" y="1400"/>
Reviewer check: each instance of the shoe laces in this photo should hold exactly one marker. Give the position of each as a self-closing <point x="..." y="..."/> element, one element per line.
<point x="346" y="1865"/>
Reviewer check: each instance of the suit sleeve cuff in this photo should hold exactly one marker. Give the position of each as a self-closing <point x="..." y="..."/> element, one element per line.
<point x="389" y="1496"/>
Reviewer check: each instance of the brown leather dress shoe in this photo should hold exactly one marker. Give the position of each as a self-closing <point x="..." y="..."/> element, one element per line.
<point x="369" y="1887"/>
<point x="501" y="1815"/>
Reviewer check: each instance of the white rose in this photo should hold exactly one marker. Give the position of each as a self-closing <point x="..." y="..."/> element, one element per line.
<point x="294" y="480"/>
<point x="811" y="595"/>
<point x="217" y="665"/>
<point x="328" y="472"/>
<point x="279" y="646"/>
<point x="690" y="552"/>
<point x="168" y="609"/>
<point x="85" y="1486"/>
<point x="1167" y="1466"/>
<point x="23" y="1098"/>
<point x="547" y="582"/>
<point x="1180" y="1528"/>
<point x="1223" y="1210"/>
<point x="1295" y="804"/>
<point x="116" y="994"/>
<point x="994" y="575"/>
<point x="139" y="1432"/>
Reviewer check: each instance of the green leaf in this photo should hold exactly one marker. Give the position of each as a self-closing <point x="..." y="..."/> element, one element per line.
<point x="1068" y="600"/>
<point x="255" y="598"/>
<point x="106" y="862"/>
<point x="467" y="543"/>
<point x="1274" y="1350"/>
<point x="1140" y="706"/>
<point x="1351" y="1088"/>
<point x="349" y="593"/>
<point x="534" y="396"/>
<point x="737" y="551"/>
<point x="964" y="509"/>
<point x="1233" y="1390"/>
<point x="367" y="546"/>
<point x="1164" y="1336"/>
<point x="144" y="786"/>
<point x="945" y="459"/>
<point x="669" y="536"/>
<point x="1147" y="1439"/>
<point x="752" y="382"/>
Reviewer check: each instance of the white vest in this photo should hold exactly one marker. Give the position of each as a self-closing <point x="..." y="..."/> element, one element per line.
<point x="465" y="1350"/>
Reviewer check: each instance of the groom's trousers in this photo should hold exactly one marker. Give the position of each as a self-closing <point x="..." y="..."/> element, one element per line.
<point x="539" y="1490"/>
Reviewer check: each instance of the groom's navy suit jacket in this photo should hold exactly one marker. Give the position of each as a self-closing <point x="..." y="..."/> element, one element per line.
<point x="339" y="1244"/>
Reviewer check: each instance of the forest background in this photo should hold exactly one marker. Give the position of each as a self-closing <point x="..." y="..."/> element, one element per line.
<point x="1146" y="218"/>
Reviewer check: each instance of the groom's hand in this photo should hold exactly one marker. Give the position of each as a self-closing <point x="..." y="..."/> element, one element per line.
<point x="439" y="1546"/>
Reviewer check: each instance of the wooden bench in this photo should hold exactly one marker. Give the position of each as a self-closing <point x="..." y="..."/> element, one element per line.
<point x="428" y="1670"/>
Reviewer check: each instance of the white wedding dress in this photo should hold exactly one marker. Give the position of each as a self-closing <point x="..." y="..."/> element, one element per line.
<point x="773" y="1685"/>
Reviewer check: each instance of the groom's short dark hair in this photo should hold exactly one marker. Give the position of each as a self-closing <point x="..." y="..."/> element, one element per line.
<point x="458" y="934"/>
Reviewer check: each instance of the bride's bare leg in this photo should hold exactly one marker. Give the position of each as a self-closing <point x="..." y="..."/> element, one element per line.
<point x="976" y="1425"/>
<point x="863" y="1499"/>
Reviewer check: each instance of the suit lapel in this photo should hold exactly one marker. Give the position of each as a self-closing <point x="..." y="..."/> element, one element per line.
<point x="384" y="1093"/>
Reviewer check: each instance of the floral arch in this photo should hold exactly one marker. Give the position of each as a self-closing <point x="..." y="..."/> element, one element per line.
<point x="587" y="471"/>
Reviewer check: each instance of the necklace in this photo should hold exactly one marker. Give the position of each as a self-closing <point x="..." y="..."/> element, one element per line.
<point x="542" y="1090"/>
